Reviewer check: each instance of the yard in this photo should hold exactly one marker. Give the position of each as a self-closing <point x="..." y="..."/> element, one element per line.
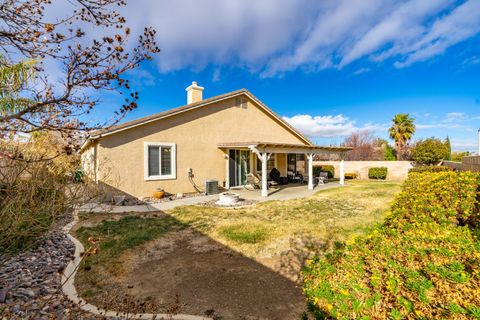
<point x="231" y="263"/>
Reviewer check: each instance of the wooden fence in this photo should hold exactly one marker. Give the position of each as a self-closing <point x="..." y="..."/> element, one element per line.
<point x="470" y="163"/>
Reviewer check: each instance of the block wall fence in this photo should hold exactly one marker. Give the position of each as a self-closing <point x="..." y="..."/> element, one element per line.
<point x="397" y="170"/>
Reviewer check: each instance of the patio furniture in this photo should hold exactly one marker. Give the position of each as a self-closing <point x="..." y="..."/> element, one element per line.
<point x="293" y="177"/>
<point x="270" y="183"/>
<point x="252" y="181"/>
<point x="322" y="178"/>
<point x="304" y="179"/>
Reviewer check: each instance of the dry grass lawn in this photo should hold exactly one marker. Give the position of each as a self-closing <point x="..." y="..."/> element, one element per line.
<point x="277" y="227"/>
<point x="192" y="258"/>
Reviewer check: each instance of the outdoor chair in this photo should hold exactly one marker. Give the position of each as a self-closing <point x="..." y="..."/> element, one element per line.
<point x="270" y="183"/>
<point x="293" y="177"/>
<point x="323" y="177"/>
<point x="304" y="179"/>
<point x="252" y="181"/>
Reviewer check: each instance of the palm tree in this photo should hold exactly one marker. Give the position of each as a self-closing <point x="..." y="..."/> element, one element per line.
<point x="402" y="131"/>
<point x="13" y="80"/>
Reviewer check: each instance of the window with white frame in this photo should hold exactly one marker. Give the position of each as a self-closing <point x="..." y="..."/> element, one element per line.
<point x="270" y="163"/>
<point x="160" y="160"/>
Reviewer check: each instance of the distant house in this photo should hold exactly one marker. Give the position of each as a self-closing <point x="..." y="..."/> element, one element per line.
<point x="222" y="138"/>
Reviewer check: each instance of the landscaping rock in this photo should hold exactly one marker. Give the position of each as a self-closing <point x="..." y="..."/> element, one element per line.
<point x="3" y="295"/>
<point x="30" y="282"/>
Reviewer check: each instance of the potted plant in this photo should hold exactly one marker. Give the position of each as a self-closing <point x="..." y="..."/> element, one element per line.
<point x="159" y="193"/>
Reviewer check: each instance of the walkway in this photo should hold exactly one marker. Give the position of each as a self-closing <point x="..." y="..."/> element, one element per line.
<point x="286" y="192"/>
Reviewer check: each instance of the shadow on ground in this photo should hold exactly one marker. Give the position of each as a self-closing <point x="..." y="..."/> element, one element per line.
<point x="185" y="271"/>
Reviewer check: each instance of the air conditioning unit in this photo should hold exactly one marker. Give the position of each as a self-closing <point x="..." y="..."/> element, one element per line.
<point x="211" y="186"/>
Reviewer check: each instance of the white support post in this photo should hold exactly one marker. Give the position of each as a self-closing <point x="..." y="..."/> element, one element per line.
<point x="310" y="171"/>
<point x="227" y="168"/>
<point x="342" y="172"/>
<point x="264" y="159"/>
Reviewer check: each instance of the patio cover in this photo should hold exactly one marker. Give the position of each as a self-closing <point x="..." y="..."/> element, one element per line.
<point x="264" y="150"/>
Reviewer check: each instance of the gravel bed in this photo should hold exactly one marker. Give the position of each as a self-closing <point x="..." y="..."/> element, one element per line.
<point x="30" y="282"/>
<point x="240" y="204"/>
<point x="148" y="200"/>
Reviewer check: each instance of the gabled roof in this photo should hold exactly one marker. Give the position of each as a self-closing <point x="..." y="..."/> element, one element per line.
<point x="168" y="113"/>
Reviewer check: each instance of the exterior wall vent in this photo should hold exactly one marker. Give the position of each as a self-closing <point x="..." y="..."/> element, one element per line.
<point x="241" y="102"/>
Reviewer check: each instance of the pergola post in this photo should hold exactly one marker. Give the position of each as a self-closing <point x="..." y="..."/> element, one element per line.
<point x="342" y="172"/>
<point x="264" y="160"/>
<point x="310" y="171"/>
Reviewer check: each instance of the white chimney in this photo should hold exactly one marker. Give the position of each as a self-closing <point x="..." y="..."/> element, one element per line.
<point x="194" y="93"/>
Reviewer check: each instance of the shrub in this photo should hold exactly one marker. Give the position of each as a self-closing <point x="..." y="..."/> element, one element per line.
<point x="457" y="156"/>
<point x="429" y="151"/>
<point x="351" y="175"/>
<point x="444" y="197"/>
<point x="377" y="173"/>
<point x="422" y="263"/>
<point x="324" y="168"/>
<point x="389" y="153"/>
<point x="35" y="190"/>
<point x="429" y="169"/>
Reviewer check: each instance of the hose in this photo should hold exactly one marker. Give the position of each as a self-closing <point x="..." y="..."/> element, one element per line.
<point x="195" y="186"/>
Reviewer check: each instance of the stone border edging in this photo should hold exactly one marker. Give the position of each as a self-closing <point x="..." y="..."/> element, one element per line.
<point x="68" y="287"/>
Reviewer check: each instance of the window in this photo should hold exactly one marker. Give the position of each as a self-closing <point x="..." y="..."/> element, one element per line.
<point x="270" y="164"/>
<point x="296" y="162"/>
<point x="160" y="159"/>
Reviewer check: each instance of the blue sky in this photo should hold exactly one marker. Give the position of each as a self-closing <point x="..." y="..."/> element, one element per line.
<point x="330" y="68"/>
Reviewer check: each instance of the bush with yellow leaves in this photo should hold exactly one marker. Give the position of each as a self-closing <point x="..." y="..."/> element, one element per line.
<point x="422" y="263"/>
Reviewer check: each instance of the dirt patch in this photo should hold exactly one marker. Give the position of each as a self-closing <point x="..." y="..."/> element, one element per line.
<point x="205" y="277"/>
<point x="92" y="219"/>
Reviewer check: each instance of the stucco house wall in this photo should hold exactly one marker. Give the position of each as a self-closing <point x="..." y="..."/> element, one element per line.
<point x="196" y="133"/>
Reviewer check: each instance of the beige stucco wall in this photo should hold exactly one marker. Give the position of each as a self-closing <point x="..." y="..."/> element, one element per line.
<point x="196" y="134"/>
<point x="397" y="170"/>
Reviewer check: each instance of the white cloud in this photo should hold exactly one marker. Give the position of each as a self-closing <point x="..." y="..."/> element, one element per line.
<point x="462" y="23"/>
<point x="440" y="126"/>
<point x="464" y="144"/>
<point x="216" y="75"/>
<point x="141" y="77"/>
<point x="455" y="116"/>
<point x="328" y="126"/>
<point x="471" y="60"/>
<point x="271" y="37"/>
<point x="402" y="25"/>
<point x="452" y="120"/>
<point x="361" y="71"/>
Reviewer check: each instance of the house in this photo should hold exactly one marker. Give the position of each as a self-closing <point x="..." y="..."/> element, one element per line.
<point x="221" y="138"/>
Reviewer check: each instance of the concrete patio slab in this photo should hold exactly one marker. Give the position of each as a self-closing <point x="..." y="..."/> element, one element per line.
<point x="287" y="192"/>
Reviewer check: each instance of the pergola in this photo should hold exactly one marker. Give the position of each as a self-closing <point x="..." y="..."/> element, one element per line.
<point x="264" y="151"/>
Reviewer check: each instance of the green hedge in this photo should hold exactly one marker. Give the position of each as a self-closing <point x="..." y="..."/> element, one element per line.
<point x="351" y="175"/>
<point x="430" y="169"/>
<point x="377" y="173"/>
<point x="324" y="168"/>
<point x="422" y="263"/>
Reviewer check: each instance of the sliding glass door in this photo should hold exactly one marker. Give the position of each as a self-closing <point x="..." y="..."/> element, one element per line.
<point x="239" y="166"/>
